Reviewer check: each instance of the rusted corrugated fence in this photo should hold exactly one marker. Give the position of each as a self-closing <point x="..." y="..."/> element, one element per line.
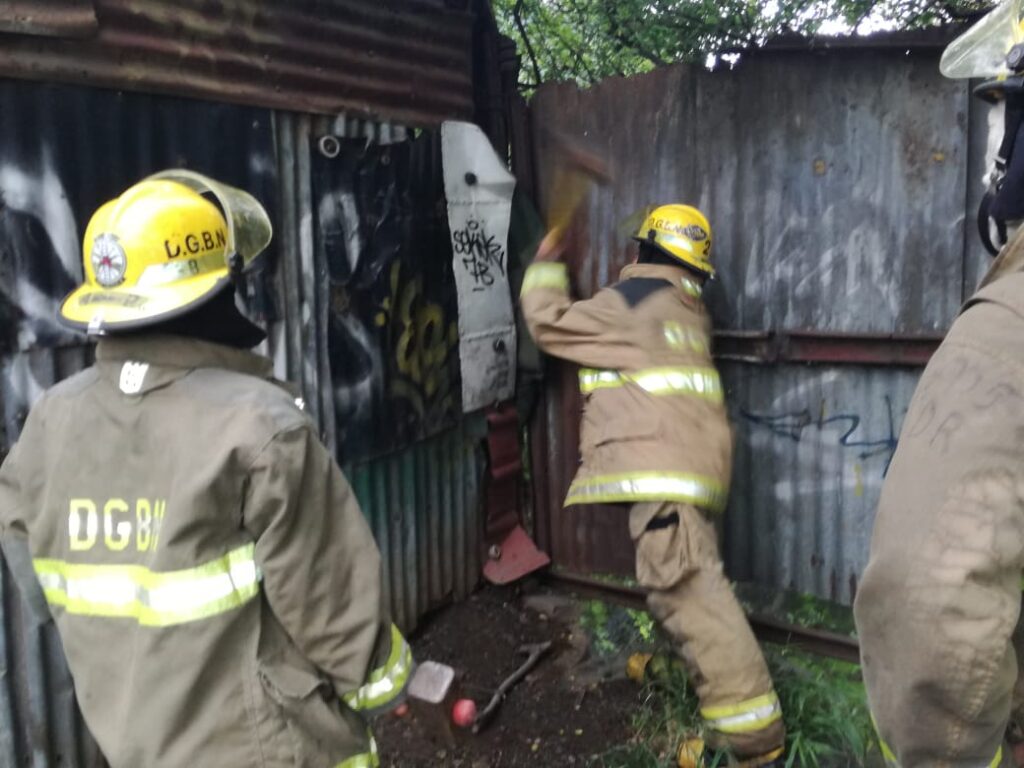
<point x="839" y="185"/>
<point x="66" y="149"/>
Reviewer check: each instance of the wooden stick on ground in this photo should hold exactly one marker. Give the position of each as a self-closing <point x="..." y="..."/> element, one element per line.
<point x="535" y="652"/>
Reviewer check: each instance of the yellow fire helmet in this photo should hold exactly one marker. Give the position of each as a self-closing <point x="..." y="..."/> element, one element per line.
<point x="162" y="249"/>
<point x="682" y="232"/>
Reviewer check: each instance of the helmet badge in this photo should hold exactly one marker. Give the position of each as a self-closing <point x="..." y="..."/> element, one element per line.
<point x="108" y="260"/>
<point x="695" y="233"/>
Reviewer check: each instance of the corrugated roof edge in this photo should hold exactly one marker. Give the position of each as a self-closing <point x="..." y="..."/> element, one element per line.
<point x="407" y="60"/>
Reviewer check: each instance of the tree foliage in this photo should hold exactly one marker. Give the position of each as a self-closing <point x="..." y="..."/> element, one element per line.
<point x="587" y="40"/>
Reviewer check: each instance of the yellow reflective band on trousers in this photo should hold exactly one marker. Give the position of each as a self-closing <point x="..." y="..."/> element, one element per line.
<point x="365" y="760"/>
<point x="153" y="599"/>
<point x="745" y="717"/>
<point x="890" y="758"/>
<point x="386" y="682"/>
<point x="892" y="762"/>
<point x="699" y="491"/>
<point x="699" y="382"/>
<point x="545" y="274"/>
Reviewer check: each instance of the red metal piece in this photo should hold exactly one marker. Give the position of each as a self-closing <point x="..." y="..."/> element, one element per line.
<point x="512" y="554"/>
<point x="514" y="558"/>
<point x="806" y="346"/>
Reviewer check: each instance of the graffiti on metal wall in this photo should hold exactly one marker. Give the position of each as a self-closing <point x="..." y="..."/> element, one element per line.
<point x="842" y="428"/>
<point x="38" y="253"/>
<point x="382" y="233"/>
<point x="824" y="449"/>
<point x="482" y="255"/>
<point x="64" y="152"/>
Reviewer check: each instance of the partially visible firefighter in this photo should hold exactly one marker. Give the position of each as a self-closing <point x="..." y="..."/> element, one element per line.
<point x="655" y="438"/>
<point x="938" y="611"/>
<point x="213" y="581"/>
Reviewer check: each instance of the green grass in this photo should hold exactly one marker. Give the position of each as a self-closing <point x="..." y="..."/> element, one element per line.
<point x="613" y="629"/>
<point x="823" y="700"/>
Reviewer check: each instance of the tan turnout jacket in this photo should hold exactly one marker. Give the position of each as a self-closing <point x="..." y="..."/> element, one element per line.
<point x="214" y="583"/>
<point x="639" y="340"/>
<point x="941" y="596"/>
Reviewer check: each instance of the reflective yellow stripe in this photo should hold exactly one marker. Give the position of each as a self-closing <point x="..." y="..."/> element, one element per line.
<point x="386" y="682"/>
<point x="890" y="758"/>
<point x="545" y="274"/>
<point x="691" y="288"/>
<point x="649" y="486"/>
<point x="892" y="762"/>
<point x="366" y="760"/>
<point x="181" y="269"/>
<point x="591" y="380"/>
<point x="154" y="599"/>
<point x="699" y="382"/>
<point x="745" y="717"/>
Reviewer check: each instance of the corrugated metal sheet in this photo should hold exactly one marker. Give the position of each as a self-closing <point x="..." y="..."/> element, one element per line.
<point x="838" y="185"/>
<point x="812" y="448"/>
<point x="425" y="507"/>
<point x="406" y="60"/>
<point x="817" y="171"/>
<point x="52" y="18"/>
<point x="63" y="151"/>
<point x="424" y="501"/>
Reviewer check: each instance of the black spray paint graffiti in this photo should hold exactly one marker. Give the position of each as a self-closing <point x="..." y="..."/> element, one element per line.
<point x="382" y="232"/>
<point x="480" y="253"/>
<point x="793" y="426"/>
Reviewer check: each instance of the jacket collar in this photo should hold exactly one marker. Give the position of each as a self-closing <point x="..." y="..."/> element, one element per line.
<point x="675" y="275"/>
<point x="139" y="364"/>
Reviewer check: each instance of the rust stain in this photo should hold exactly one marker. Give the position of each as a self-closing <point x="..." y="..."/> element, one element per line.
<point x="404" y="61"/>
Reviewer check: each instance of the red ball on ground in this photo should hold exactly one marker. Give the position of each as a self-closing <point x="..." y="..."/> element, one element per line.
<point x="401" y="710"/>
<point x="464" y="712"/>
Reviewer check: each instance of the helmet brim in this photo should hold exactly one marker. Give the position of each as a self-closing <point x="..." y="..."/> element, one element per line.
<point x="109" y="310"/>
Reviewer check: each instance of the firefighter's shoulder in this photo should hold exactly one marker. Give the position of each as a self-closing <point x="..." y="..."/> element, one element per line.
<point x="73" y="385"/>
<point x="265" y="401"/>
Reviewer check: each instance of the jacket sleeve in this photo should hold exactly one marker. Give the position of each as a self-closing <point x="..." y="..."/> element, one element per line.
<point x="12" y="497"/>
<point x="586" y="332"/>
<point x="941" y="595"/>
<point x="20" y="477"/>
<point x="322" y="573"/>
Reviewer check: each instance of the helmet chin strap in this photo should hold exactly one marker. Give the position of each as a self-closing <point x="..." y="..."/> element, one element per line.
<point x="985" y="222"/>
<point x="1003" y="200"/>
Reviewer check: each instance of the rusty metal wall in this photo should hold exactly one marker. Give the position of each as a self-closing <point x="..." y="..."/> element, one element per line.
<point x="63" y="151"/>
<point x="425" y="506"/>
<point x="838" y="184"/>
<point x="409" y="60"/>
<point x="423" y="501"/>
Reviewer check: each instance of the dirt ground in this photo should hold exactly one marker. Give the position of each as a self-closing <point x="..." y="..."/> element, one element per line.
<point x="573" y="706"/>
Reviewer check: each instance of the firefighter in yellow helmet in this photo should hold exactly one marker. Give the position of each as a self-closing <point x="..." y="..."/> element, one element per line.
<point x="655" y="439"/>
<point x="939" y="606"/>
<point x="214" y="583"/>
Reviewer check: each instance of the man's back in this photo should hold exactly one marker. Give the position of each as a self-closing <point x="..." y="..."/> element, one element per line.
<point x="159" y="491"/>
<point x="654" y="424"/>
<point x="941" y="594"/>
